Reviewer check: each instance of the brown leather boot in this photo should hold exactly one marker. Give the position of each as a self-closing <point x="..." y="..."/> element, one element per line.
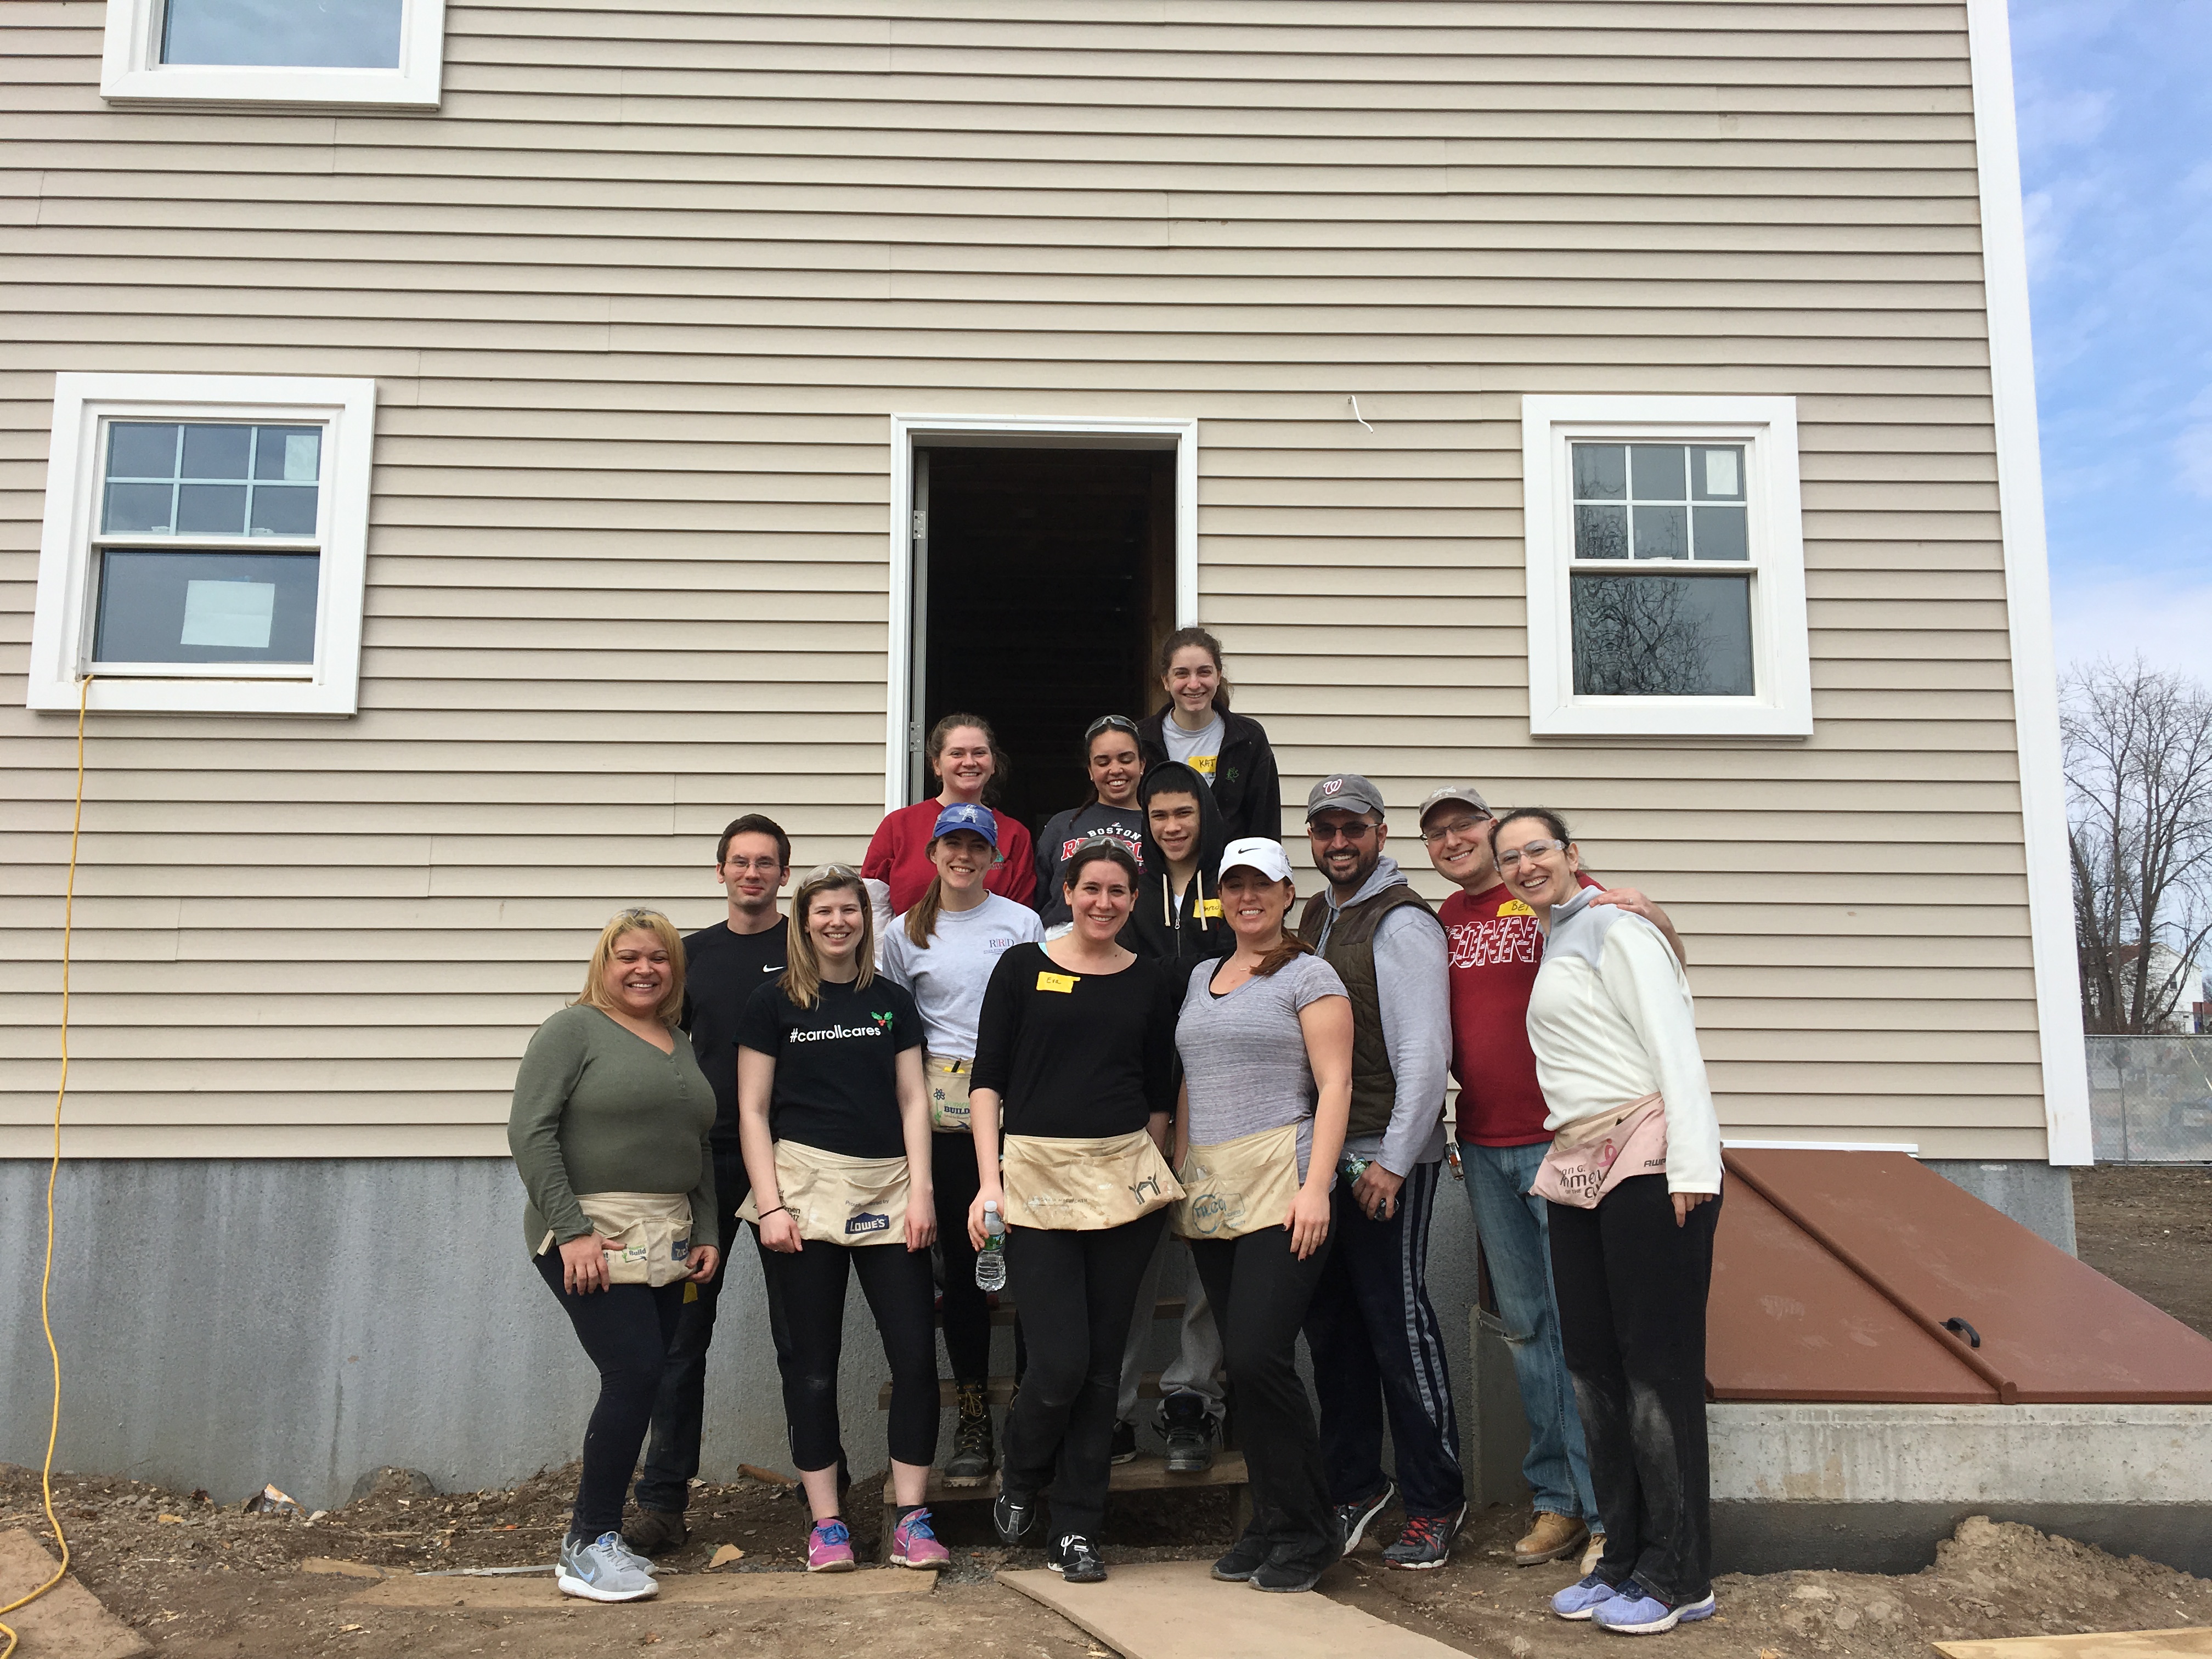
<point x="1554" y="1538"/>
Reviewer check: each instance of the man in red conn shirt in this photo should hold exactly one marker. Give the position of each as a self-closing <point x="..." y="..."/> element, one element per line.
<point x="1496" y="946"/>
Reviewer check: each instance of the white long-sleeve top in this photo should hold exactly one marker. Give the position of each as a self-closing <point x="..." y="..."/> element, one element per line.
<point x="1611" y="1021"/>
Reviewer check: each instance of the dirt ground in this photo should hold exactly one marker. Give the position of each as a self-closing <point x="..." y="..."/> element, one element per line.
<point x="2149" y="1226"/>
<point x="213" y="1581"/>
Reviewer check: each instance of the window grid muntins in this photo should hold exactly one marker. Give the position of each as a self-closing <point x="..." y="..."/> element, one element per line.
<point x="1683" y="501"/>
<point x="196" y="478"/>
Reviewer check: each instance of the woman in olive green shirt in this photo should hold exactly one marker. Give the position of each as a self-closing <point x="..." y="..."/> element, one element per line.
<point x="610" y="1132"/>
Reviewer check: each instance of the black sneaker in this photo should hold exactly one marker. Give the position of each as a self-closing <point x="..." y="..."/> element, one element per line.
<point x="1246" y="1558"/>
<point x="1076" y="1560"/>
<point x="1284" y="1580"/>
<point x="1012" y="1517"/>
<point x="1425" y="1543"/>
<point x="1189" y="1432"/>
<point x="970" y="1462"/>
<point x="1351" y="1519"/>
<point x="1124" y="1449"/>
<point x="657" y="1532"/>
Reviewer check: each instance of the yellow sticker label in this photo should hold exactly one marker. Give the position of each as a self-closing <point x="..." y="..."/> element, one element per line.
<point x="1514" y="908"/>
<point x="1210" y="910"/>
<point x="1057" y="982"/>
<point x="1202" y="764"/>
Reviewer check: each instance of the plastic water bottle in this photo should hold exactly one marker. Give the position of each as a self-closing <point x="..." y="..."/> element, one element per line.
<point x="991" y="1260"/>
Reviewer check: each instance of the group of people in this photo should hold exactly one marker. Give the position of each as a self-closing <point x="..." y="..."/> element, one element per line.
<point x="1089" y="1051"/>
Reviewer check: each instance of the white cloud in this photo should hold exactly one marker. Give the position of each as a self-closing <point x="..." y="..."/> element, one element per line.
<point x="2051" y="119"/>
<point x="2169" y="621"/>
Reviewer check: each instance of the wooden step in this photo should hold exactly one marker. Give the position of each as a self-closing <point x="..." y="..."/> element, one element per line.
<point x="1148" y="1472"/>
<point x="999" y="1391"/>
<point x="1167" y="1307"/>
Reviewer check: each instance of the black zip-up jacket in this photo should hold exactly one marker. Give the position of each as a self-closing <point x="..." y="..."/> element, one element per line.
<point x="1174" y="929"/>
<point x="1246" y="786"/>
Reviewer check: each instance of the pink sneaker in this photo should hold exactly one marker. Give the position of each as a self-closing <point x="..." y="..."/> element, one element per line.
<point x="829" y="1547"/>
<point x="914" y="1544"/>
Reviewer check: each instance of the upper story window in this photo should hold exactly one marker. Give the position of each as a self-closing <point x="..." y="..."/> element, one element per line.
<point x="385" y="53"/>
<point x="205" y="545"/>
<point x="1666" y="567"/>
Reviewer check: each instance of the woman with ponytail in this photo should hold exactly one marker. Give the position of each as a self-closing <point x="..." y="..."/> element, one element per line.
<point x="1197" y="728"/>
<point x="966" y="758"/>
<point x="943" y="950"/>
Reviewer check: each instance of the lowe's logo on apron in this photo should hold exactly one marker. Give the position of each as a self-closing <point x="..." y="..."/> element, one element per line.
<point x="866" y="1222"/>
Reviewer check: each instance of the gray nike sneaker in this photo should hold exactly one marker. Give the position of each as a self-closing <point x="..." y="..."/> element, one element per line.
<point x="603" y="1570"/>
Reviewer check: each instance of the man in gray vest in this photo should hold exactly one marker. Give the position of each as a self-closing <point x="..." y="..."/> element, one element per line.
<point x="1377" y="1350"/>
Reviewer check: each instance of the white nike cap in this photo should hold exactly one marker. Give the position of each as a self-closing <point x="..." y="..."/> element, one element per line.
<point x="1257" y="852"/>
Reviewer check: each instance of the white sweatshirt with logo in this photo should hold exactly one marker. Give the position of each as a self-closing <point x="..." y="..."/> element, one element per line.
<point x="1611" y="1021"/>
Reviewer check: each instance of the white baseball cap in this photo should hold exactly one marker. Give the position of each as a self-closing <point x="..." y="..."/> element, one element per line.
<point x="1257" y="852"/>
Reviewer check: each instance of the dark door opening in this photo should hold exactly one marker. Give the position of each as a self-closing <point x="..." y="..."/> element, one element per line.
<point x="1049" y="583"/>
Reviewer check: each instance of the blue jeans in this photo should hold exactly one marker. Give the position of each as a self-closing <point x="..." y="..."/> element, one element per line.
<point x="1513" y="1227"/>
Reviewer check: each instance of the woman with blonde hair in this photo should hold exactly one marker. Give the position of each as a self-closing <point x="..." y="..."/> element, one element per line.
<point x="609" y="1129"/>
<point x="834" y="1117"/>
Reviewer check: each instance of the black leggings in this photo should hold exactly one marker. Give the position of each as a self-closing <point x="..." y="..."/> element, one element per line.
<point x="809" y="1288"/>
<point x="1259" y="1290"/>
<point x="967" y="1311"/>
<point x="1632" y="1288"/>
<point x="1077" y="1292"/>
<point x="626" y="1330"/>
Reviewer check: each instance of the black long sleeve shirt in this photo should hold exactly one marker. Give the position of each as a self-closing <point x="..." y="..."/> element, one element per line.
<point x="1094" y="1060"/>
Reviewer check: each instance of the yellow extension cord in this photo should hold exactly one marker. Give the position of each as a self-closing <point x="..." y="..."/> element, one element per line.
<point x="53" y="1171"/>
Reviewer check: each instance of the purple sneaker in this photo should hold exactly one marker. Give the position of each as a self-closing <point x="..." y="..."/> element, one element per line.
<point x="1632" y="1610"/>
<point x="914" y="1544"/>
<point x="829" y="1547"/>
<point x="1580" y="1599"/>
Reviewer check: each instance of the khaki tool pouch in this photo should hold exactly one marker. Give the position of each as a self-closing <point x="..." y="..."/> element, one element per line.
<point x="948" y="1092"/>
<point x="651" y="1235"/>
<point x="838" y="1200"/>
<point x="1593" y="1155"/>
<point x="1238" y="1187"/>
<point x="1062" y="1184"/>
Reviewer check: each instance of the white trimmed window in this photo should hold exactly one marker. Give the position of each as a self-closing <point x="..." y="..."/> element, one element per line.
<point x="1666" y="567"/>
<point x="382" y="54"/>
<point x="205" y="545"/>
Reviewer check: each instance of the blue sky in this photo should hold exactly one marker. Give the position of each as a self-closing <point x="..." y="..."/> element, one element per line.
<point x="2116" y="157"/>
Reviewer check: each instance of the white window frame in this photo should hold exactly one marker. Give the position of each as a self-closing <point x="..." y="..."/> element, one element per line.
<point x="132" y="71"/>
<point x="62" y="629"/>
<point x="1781" y="657"/>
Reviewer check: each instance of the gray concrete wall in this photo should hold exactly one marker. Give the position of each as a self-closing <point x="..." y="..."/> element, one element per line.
<point x="2038" y="1196"/>
<point x="228" y="1322"/>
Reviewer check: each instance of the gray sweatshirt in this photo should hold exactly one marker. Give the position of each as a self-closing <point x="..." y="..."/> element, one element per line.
<point x="1412" y="980"/>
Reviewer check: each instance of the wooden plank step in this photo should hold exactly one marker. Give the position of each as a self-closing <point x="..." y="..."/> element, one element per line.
<point x="1167" y="1307"/>
<point x="2186" y="1644"/>
<point x="999" y="1391"/>
<point x="1147" y="1473"/>
<point x="717" y="1590"/>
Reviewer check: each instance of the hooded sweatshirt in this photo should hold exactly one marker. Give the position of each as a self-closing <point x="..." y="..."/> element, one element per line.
<point x="1066" y="831"/>
<point x="1180" y="930"/>
<point x="1246" y="786"/>
<point x="1412" y="978"/>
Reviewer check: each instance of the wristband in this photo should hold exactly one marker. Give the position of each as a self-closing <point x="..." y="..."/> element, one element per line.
<point x="779" y="1210"/>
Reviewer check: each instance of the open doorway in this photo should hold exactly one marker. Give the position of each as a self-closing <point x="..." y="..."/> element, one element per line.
<point x="1044" y="580"/>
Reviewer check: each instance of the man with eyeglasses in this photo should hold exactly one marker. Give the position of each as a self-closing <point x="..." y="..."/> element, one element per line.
<point x="1377" y="1349"/>
<point x="1496" y="946"/>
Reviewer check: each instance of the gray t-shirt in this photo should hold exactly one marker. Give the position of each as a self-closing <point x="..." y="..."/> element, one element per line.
<point x="948" y="977"/>
<point x="1198" y="749"/>
<point x="1245" y="1055"/>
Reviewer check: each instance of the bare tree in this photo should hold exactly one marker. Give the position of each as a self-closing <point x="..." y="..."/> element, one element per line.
<point x="2138" y="745"/>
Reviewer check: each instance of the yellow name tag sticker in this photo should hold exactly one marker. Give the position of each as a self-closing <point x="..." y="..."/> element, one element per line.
<point x="1210" y="910"/>
<point x="1514" y="908"/>
<point x="1202" y="764"/>
<point x="1057" y="982"/>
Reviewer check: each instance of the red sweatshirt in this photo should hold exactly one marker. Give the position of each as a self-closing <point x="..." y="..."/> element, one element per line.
<point x="898" y="854"/>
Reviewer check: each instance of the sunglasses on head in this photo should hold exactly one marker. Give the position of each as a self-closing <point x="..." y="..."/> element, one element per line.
<point x="1110" y="723"/>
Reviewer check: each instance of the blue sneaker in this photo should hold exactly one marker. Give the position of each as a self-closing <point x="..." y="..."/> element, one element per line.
<point x="1632" y="1610"/>
<point x="1580" y="1599"/>
<point x="602" y="1570"/>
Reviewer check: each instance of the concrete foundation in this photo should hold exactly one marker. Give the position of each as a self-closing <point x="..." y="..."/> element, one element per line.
<point x="2038" y="1196"/>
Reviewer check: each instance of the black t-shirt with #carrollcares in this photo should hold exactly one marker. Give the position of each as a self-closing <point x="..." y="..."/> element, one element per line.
<point x="721" y="972"/>
<point x="837" y="1071"/>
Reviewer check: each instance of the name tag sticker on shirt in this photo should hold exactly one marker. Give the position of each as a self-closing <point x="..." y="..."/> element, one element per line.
<point x="1514" y="908"/>
<point x="1210" y="910"/>
<point x="1202" y="764"/>
<point x="1057" y="982"/>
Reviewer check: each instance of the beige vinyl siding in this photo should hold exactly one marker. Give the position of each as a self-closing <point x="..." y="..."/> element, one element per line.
<point x="639" y="300"/>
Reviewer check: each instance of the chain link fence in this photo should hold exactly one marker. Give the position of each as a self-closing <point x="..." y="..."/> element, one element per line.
<point x="2150" y="1099"/>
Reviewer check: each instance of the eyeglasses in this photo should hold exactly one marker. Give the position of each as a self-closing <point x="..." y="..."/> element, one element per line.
<point x="844" y="872"/>
<point x="1457" y="827"/>
<point x="1324" y="834"/>
<point x="1534" y="849"/>
<point x="1109" y="723"/>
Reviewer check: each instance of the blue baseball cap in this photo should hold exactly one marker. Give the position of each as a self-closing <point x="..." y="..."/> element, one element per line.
<point x="965" y="815"/>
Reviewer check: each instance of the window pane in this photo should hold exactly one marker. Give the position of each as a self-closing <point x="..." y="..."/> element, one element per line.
<point x="285" y="510"/>
<point x="293" y="453"/>
<point x="210" y="509"/>
<point x="1721" y="532"/>
<point x="137" y="450"/>
<point x="195" y="606"/>
<point x="1663" y="532"/>
<point x="135" y="508"/>
<point x="1601" y="532"/>
<point x="1657" y="471"/>
<point x="294" y="33"/>
<point x="216" y="451"/>
<point x="1662" y="636"/>
<point x="1600" y="472"/>
<point x="1716" y="474"/>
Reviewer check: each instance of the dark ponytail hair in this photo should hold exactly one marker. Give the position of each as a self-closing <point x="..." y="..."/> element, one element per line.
<point x="946" y="727"/>
<point x="1544" y="815"/>
<point x="1099" y="847"/>
<point x="1205" y="643"/>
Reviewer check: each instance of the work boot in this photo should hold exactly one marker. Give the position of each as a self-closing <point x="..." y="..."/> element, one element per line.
<point x="1189" y="1432"/>
<point x="1554" y="1538"/>
<point x="657" y="1532"/>
<point x="972" y="1455"/>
